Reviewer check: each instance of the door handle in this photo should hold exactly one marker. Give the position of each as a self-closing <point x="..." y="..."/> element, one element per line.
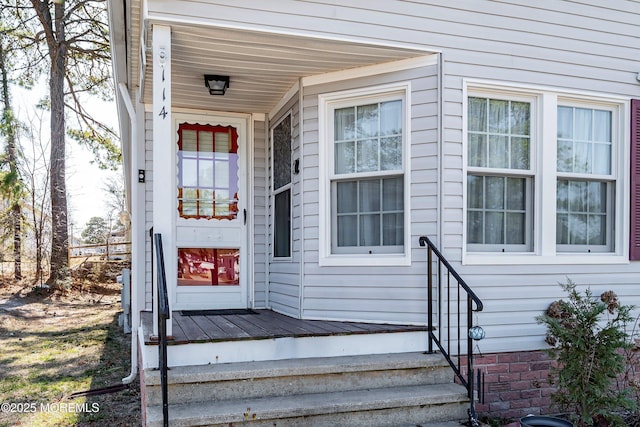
<point x="245" y="216"/>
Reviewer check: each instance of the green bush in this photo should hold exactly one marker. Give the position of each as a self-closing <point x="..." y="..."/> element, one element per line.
<point x="588" y="338"/>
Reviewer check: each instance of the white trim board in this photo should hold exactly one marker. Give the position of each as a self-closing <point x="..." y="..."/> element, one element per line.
<point x="169" y="18"/>
<point x="286" y="348"/>
<point x="371" y="70"/>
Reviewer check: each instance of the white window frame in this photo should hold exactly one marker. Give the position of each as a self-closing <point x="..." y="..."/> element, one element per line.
<point x="609" y="179"/>
<point x="327" y="103"/>
<point x="275" y="192"/>
<point x="528" y="174"/>
<point x="544" y="153"/>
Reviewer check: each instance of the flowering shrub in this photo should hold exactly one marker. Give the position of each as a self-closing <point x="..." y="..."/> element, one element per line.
<point x="588" y="338"/>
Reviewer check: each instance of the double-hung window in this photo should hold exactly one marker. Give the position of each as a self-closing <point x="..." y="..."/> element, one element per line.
<point x="281" y="137"/>
<point x="500" y="175"/>
<point x="545" y="174"/>
<point x="586" y="183"/>
<point x="366" y="177"/>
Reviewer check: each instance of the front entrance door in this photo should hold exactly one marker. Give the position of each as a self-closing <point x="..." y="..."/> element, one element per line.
<point x="211" y="213"/>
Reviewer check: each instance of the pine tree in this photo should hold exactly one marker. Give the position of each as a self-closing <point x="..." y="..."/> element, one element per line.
<point x="69" y="42"/>
<point x="11" y="186"/>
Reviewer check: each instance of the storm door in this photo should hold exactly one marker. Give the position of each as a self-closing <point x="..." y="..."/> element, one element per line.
<point x="211" y="215"/>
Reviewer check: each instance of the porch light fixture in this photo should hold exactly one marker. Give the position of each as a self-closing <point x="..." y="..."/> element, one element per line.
<point x="217" y="85"/>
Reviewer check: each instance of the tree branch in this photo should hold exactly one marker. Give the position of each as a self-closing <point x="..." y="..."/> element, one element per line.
<point x="44" y="16"/>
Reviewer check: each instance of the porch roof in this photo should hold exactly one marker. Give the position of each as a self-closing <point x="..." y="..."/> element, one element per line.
<point x="263" y="63"/>
<point x="262" y="66"/>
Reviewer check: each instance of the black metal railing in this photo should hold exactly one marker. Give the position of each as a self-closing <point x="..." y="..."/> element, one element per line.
<point x="163" y="315"/>
<point x="454" y="306"/>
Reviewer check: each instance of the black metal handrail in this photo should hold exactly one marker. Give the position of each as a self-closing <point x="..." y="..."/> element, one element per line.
<point x="451" y="324"/>
<point x="163" y="315"/>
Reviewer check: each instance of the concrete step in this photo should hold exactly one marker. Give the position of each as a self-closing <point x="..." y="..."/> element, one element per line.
<point x="190" y="384"/>
<point x="383" y="407"/>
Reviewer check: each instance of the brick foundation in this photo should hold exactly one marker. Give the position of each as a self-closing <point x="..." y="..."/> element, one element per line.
<point x="516" y="384"/>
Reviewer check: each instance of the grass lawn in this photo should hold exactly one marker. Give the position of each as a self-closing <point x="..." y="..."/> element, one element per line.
<point x="55" y="344"/>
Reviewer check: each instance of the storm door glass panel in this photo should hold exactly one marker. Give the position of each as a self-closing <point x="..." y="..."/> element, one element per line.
<point x="208" y="267"/>
<point x="207" y="171"/>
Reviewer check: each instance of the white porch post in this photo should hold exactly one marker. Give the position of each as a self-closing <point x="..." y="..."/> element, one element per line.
<point x="138" y="199"/>
<point x="162" y="157"/>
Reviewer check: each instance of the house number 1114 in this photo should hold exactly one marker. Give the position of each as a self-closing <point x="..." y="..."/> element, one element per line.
<point x="162" y="56"/>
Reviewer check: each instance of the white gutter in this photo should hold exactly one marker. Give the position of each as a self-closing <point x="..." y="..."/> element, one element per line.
<point x="135" y="311"/>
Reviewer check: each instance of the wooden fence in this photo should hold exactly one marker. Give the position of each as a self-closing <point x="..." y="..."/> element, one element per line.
<point x="104" y="252"/>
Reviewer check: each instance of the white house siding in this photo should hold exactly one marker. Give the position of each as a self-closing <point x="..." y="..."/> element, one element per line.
<point x="571" y="47"/>
<point x="148" y="211"/>
<point x="586" y="45"/>
<point x="387" y="294"/>
<point x="284" y="275"/>
<point x="259" y="213"/>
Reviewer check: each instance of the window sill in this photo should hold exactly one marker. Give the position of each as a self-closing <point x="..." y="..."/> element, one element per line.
<point x="493" y="258"/>
<point x="363" y="260"/>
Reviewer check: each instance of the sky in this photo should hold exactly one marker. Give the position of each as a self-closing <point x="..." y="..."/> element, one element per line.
<point x="86" y="182"/>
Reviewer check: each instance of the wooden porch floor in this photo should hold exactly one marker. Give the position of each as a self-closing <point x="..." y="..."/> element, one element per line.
<point x="262" y="324"/>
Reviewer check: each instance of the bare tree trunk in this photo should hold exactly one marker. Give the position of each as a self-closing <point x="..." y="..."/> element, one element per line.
<point x="37" y="231"/>
<point x="59" y="220"/>
<point x="16" y="213"/>
<point x="37" y="177"/>
<point x="12" y="159"/>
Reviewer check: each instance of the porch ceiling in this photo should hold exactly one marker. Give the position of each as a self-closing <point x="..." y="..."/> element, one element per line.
<point x="262" y="66"/>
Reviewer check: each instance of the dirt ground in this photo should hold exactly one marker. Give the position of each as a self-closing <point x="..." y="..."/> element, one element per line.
<point x="54" y="344"/>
